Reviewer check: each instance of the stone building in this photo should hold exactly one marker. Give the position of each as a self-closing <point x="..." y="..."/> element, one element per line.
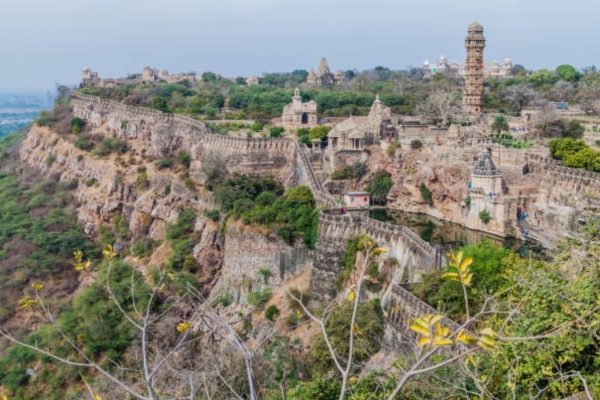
<point x="324" y="76"/>
<point x="149" y="74"/>
<point x="456" y="70"/>
<point x="378" y="120"/>
<point x="252" y="81"/>
<point x="473" y="90"/>
<point x="88" y="77"/>
<point x="347" y="139"/>
<point x="485" y="175"/>
<point x="299" y="114"/>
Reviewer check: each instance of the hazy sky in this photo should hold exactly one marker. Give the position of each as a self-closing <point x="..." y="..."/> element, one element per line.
<point x="48" y="41"/>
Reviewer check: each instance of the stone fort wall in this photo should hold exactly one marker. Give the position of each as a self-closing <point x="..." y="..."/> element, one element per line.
<point x="157" y="133"/>
<point x="414" y="255"/>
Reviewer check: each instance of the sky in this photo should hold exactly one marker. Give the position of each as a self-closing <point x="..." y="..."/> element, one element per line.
<point x="43" y="42"/>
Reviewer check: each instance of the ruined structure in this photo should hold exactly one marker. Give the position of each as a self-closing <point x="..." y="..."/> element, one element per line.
<point x="456" y="70"/>
<point x="88" y="77"/>
<point x="473" y="90"/>
<point x="324" y="76"/>
<point x="252" y="80"/>
<point x="299" y="114"/>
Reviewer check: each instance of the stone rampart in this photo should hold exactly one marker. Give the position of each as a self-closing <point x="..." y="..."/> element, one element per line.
<point x="414" y="255"/>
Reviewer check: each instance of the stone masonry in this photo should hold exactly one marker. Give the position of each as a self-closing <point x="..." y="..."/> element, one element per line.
<point x="473" y="90"/>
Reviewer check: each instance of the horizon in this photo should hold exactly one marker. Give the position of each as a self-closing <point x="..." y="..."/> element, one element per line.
<point x="235" y="38"/>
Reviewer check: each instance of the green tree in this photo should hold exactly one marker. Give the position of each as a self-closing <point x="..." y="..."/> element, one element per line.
<point x="500" y="124"/>
<point x="541" y="77"/>
<point x="209" y="77"/>
<point x="567" y="73"/>
<point x="160" y="103"/>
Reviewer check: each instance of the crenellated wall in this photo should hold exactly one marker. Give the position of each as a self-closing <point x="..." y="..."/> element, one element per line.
<point x="158" y="133"/>
<point x="414" y="255"/>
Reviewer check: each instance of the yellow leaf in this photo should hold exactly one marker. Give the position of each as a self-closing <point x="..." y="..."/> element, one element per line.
<point x="351" y="295"/>
<point x="356" y="330"/>
<point x="419" y="329"/>
<point x="464" y="264"/>
<point x="4" y="397"/>
<point x="482" y="378"/>
<point x="108" y="252"/>
<point x="423" y="341"/>
<point x="467" y="279"/>
<point x="451" y="275"/>
<point x="352" y="379"/>
<point x="510" y="385"/>
<point x="96" y="397"/>
<point x="37" y="286"/>
<point x="442" y="342"/>
<point x="183" y="327"/>
<point x="488" y="332"/>
<point x="435" y="319"/>
<point x="465" y="338"/>
<point x="26" y="302"/>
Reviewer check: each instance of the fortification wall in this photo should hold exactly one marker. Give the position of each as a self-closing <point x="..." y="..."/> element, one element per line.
<point x="414" y="255"/>
<point x="247" y="252"/>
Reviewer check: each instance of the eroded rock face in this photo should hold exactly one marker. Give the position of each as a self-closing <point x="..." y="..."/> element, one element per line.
<point x="106" y="186"/>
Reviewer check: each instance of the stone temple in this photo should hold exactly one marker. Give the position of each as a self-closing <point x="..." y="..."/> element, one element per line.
<point x="299" y="114"/>
<point x="474" y="70"/>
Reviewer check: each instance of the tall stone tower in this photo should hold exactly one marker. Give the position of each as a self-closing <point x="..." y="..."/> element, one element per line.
<point x="473" y="91"/>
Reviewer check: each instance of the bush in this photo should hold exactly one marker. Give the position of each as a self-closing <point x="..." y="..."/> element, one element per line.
<point x="90" y="182"/>
<point x="425" y="193"/>
<point x="77" y="125"/>
<point x="165" y="162"/>
<point x="185" y="159"/>
<point x="142" y="181"/>
<point x="211" y="214"/>
<point x="265" y="273"/>
<point x="223" y="299"/>
<point x="380" y="186"/>
<point x="416" y="144"/>
<point x="354" y="171"/>
<point x="485" y="216"/>
<point x="184" y="225"/>
<point x="189" y="183"/>
<point x="276" y="131"/>
<point x="391" y="149"/>
<point x="83" y="143"/>
<point x="110" y="145"/>
<point x="143" y="247"/>
<point x="271" y="312"/>
<point x="259" y="298"/>
<point x="256" y="127"/>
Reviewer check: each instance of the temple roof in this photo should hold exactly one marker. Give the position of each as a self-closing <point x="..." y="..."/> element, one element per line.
<point x="485" y="166"/>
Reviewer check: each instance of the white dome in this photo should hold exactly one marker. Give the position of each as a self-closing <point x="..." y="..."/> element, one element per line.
<point x="426" y="62"/>
<point x="508" y="61"/>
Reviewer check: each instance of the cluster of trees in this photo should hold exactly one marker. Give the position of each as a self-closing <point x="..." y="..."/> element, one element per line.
<point x="262" y="201"/>
<point x="575" y="154"/>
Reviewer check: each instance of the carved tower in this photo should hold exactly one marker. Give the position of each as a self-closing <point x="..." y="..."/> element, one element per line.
<point x="473" y="91"/>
